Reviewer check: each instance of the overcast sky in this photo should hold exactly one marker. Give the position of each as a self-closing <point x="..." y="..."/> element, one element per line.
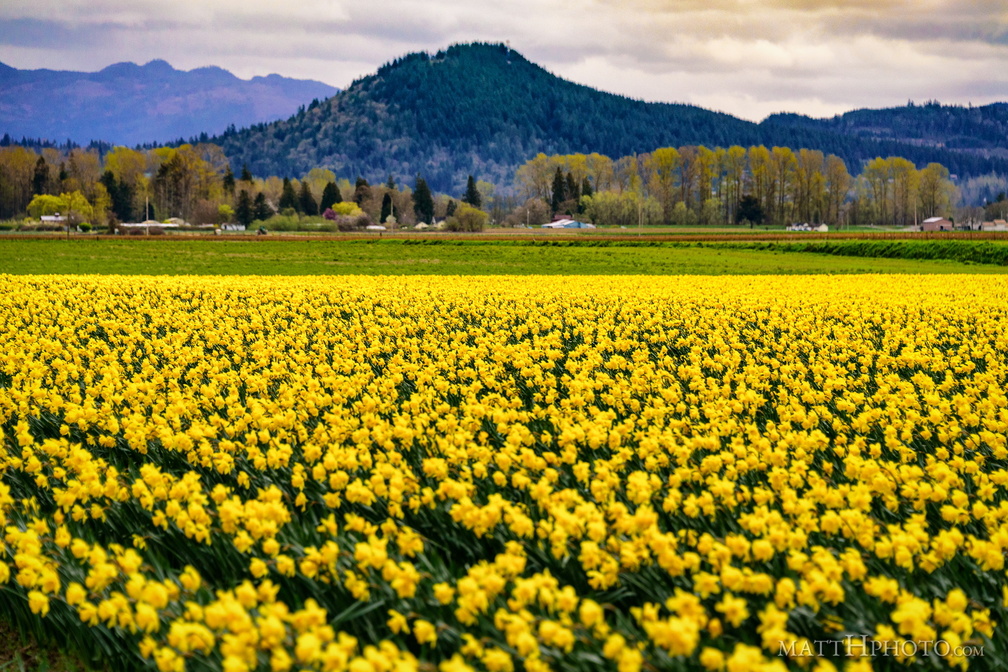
<point x="746" y="57"/>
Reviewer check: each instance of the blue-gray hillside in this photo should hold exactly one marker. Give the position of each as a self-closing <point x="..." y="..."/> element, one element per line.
<point x="131" y="104"/>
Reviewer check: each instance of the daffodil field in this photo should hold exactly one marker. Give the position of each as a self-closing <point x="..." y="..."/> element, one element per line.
<point x="382" y="474"/>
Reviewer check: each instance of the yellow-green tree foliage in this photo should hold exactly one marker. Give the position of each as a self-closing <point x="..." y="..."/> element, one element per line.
<point x="696" y="184"/>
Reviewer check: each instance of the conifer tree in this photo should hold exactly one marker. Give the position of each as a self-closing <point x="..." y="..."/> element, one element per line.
<point x="261" y="210"/>
<point x="386" y="208"/>
<point x="120" y="195"/>
<point x="423" y="201"/>
<point x="472" y="195"/>
<point x="559" y="191"/>
<point x="572" y="189"/>
<point x="330" y="197"/>
<point x="246" y="175"/>
<point x="40" y="180"/>
<point x="586" y="190"/>
<point x="228" y="181"/>
<point x="749" y="210"/>
<point x="362" y="191"/>
<point x="244" y="212"/>
<point x="307" y="201"/>
<point x="288" y="198"/>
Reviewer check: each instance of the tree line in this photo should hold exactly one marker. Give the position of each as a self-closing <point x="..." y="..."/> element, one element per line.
<point x="686" y="185"/>
<point x="121" y="184"/>
<point x="694" y="184"/>
<point x="196" y="184"/>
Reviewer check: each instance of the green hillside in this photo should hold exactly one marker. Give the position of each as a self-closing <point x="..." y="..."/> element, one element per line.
<point x="483" y="109"/>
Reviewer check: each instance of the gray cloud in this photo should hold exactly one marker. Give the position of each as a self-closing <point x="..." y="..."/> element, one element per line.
<point x="746" y="57"/>
<point x="40" y="33"/>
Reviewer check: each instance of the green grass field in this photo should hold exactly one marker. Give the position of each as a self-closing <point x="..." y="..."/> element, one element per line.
<point x="189" y="256"/>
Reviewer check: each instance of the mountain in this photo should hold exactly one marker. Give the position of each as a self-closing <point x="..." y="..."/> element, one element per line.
<point x="476" y="109"/>
<point x="483" y="109"/>
<point x="133" y="104"/>
<point x="981" y="130"/>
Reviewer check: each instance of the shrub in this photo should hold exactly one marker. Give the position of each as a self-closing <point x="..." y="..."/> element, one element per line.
<point x="345" y="209"/>
<point x="467" y="218"/>
<point x="280" y="222"/>
<point x="46" y="204"/>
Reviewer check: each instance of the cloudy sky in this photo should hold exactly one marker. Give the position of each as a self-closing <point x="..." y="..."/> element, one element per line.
<point x="746" y="57"/>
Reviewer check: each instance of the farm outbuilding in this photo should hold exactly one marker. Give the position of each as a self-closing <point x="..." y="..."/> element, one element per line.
<point x="568" y="224"/>
<point x="936" y="224"/>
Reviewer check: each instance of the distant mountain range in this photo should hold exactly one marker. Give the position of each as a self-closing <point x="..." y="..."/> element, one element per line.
<point x="131" y="104"/>
<point x="483" y="109"/>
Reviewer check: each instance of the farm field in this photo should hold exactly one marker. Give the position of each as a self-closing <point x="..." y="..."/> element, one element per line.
<point x="503" y="473"/>
<point x="481" y="256"/>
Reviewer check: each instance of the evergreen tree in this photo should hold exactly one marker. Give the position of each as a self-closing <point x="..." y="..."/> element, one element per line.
<point x="749" y="210"/>
<point x="573" y="191"/>
<point x="450" y="210"/>
<point x="261" y="210"/>
<point x="246" y="175"/>
<point x="559" y="191"/>
<point x="362" y="191"/>
<point x="244" y="211"/>
<point x="228" y="181"/>
<point x="423" y="201"/>
<point x="40" y="181"/>
<point x="390" y="182"/>
<point x="472" y="195"/>
<point x="586" y="190"/>
<point x="330" y="197"/>
<point x="111" y="186"/>
<point x="288" y="198"/>
<point x="120" y="195"/>
<point x="307" y="201"/>
<point x="386" y="208"/>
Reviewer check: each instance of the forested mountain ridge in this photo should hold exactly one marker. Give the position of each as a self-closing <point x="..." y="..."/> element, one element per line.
<point x="471" y="109"/>
<point x="483" y="109"/>
<point x="130" y="104"/>
<point x="979" y="130"/>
